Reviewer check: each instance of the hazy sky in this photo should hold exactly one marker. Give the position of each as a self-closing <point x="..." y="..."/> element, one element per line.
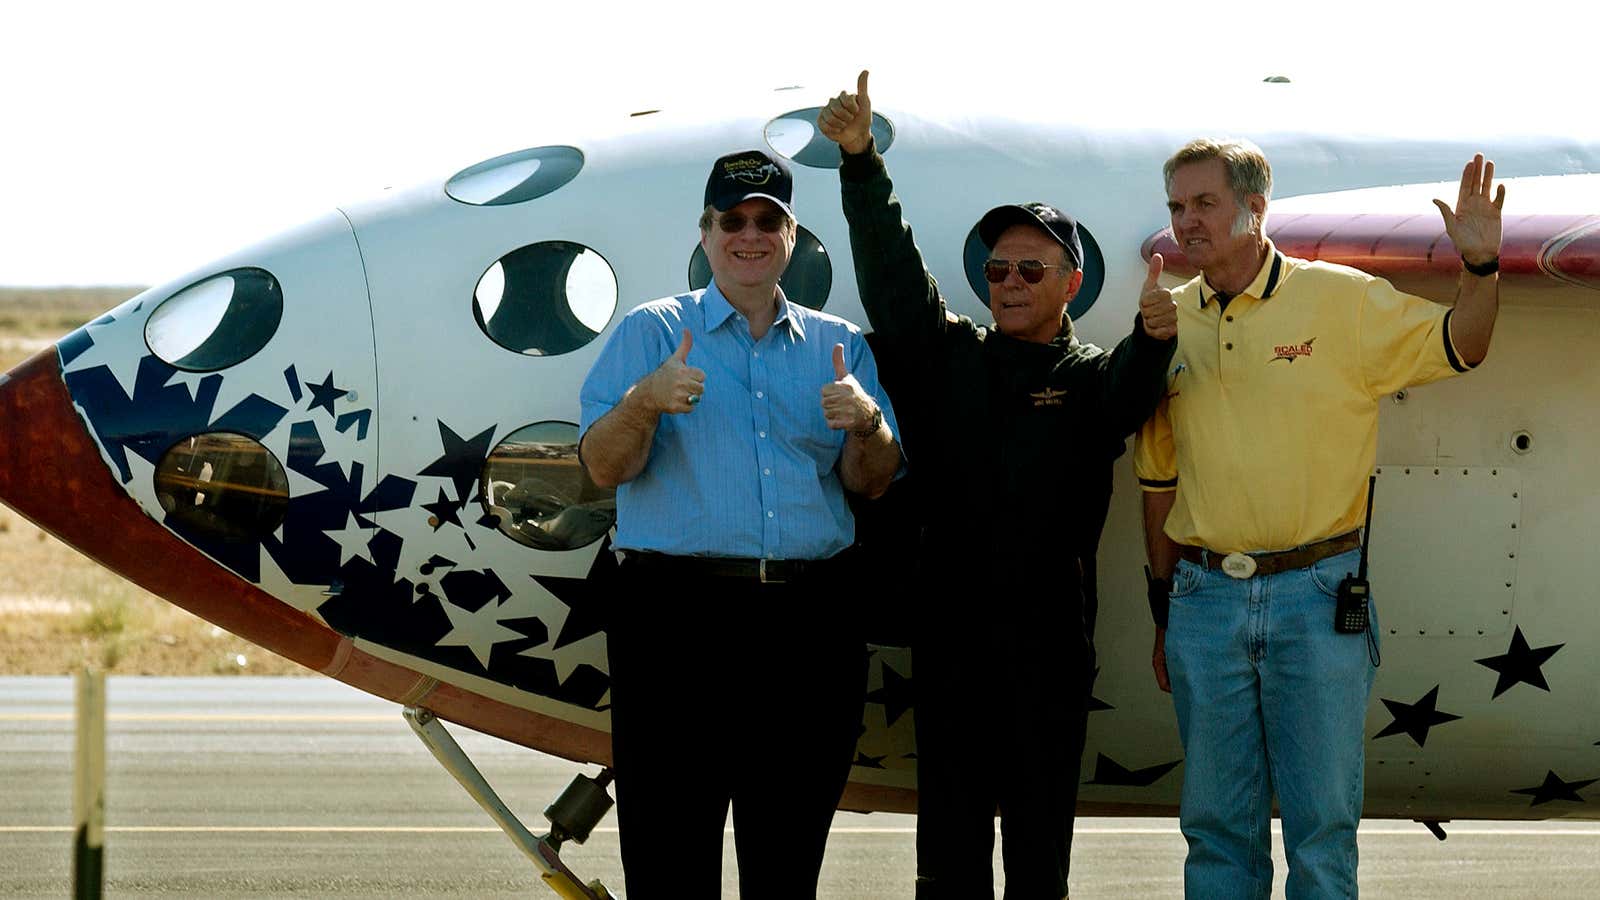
<point x="143" y="139"/>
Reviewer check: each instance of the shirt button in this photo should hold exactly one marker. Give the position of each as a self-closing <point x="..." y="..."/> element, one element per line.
<point x="758" y="354"/>
<point x="1230" y="318"/>
<point x="769" y="513"/>
<point x="766" y="471"/>
<point x="1229" y="345"/>
<point x="764" y="434"/>
<point x="759" y="395"/>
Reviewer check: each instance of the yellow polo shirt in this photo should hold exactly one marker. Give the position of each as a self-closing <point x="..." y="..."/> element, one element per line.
<point x="1270" y="424"/>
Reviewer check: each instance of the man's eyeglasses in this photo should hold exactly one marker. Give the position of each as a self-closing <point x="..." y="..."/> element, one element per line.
<point x="1031" y="270"/>
<point x="733" y="223"/>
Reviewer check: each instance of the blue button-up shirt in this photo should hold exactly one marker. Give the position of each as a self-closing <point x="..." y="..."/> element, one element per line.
<point x="752" y="471"/>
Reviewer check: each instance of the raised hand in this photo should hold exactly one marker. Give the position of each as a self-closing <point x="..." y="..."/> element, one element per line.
<point x="1474" y="225"/>
<point x="845" y="404"/>
<point x="1158" y="314"/>
<point x="847" y="119"/>
<point x="675" y="386"/>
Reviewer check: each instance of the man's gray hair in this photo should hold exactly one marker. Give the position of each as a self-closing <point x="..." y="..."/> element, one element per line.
<point x="1247" y="167"/>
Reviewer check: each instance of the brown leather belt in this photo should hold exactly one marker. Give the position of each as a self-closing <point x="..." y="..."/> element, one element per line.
<point x="765" y="571"/>
<point x="1273" y="563"/>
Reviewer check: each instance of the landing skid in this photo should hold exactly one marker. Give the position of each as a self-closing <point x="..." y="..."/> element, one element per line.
<point x="572" y="816"/>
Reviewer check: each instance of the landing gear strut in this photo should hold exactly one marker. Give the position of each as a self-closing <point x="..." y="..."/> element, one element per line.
<point x="572" y="816"/>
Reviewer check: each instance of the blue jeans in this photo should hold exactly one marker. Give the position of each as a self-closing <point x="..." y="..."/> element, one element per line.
<point x="1269" y="699"/>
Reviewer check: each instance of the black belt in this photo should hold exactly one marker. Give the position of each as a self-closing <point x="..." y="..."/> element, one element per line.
<point x="1272" y="563"/>
<point x="764" y="571"/>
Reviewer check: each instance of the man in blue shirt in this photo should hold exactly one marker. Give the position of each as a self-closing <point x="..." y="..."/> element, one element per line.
<point x="732" y="422"/>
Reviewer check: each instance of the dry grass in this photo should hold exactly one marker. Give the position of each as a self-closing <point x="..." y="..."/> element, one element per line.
<point x="60" y="611"/>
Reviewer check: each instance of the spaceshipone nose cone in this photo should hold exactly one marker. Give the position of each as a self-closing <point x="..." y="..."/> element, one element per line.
<point x="53" y="474"/>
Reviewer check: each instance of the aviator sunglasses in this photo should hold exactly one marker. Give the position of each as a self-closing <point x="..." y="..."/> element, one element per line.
<point x="733" y="223"/>
<point x="1031" y="270"/>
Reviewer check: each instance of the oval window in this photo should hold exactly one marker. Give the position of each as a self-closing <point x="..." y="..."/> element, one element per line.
<point x="795" y="135"/>
<point x="218" y="322"/>
<point x="540" y="496"/>
<point x="515" y="177"/>
<point x="807" y="281"/>
<point x="1094" y="271"/>
<point x="222" y="485"/>
<point x="546" y="298"/>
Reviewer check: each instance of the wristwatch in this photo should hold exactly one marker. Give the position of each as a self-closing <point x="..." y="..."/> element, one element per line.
<point x="877" y="422"/>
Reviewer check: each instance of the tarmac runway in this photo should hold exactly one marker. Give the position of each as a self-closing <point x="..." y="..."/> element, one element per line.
<point x="276" y="787"/>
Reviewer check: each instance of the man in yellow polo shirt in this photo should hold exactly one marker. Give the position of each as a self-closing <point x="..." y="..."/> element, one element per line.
<point x="1254" y="471"/>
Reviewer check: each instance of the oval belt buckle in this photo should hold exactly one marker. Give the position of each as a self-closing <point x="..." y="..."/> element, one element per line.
<point x="1239" y="565"/>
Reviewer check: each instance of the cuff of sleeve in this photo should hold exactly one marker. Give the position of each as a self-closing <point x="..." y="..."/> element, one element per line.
<point x="1158" y="485"/>
<point x="863" y="166"/>
<point x="1450" y="352"/>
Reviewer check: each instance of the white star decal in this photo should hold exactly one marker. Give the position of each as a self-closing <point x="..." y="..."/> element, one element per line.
<point x="304" y="597"/>
<point x="590" y="650"/>
<point x="352" y="540"/>
<point x="479" y="631"/>
<point x="190" y="380"/>
<point x="117" y="346"/>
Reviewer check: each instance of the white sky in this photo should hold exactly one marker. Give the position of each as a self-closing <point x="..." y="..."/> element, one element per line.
<point x="139" y="140"/>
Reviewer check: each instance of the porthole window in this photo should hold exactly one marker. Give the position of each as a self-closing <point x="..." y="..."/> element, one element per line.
<point x="807" y="281"/>
<point x="534" y="487"/>
<point x="222" y="485"/>
<point x="546" y="298"/>
<point x="795" y="135"/>
<point x="1094" y="271"/>
<point x="515" y="177"/>
<point x="218" y="322"/>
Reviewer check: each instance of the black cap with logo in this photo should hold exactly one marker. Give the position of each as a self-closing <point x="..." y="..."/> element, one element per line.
<point x="1062" y="228"/>
<point x="740" y="176"/>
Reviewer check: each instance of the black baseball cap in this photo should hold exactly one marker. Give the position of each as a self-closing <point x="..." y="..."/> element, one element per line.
<point x="737" y="177"/>
<point x="1060" y="226"/>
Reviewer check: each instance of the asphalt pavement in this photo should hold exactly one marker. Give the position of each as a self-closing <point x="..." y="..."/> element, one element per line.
<point x="277" y="787"/>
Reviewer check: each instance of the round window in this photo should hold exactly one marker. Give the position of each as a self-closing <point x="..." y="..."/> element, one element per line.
<point x="807" y="281"/>
<point x="222" y="485"/>
<point x="1094" y="271"/>
<point x="795" y="135"/>
<point x="540" y="496"/>
<point x="515" y="177"/>
<point x="218" y="322"/>
<point x="546" y="298"/>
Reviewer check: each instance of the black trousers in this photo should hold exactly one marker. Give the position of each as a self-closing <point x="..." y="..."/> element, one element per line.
<point x="1001" y="708"/>
<point x="728" y="691"/>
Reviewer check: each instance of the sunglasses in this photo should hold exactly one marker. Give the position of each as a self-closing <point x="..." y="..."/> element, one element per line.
<point x="1031" y="270"/>
<point x="733" y="223"/>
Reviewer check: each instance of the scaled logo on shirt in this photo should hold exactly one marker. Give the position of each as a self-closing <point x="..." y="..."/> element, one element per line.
<point x="1290" y="352"/>
<point x="1047" y="397"/>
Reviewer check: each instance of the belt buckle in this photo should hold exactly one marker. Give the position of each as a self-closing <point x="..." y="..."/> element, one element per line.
<point x="1239" y="565"/>
<point x="765" y="579"/>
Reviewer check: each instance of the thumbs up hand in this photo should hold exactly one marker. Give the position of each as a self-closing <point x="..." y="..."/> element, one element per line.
<point x="675" y="386"/>
<point x="845" y="404"/>
<point x="1158" y="315"/>
<point x="847" y="119"/>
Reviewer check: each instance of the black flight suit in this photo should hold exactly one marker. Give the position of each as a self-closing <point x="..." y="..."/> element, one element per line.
<point x="1010" y="446"/>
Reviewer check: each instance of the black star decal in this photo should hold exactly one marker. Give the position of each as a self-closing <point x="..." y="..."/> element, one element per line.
<point x="895" y="695"/>
<point x="462" y="459"/>
<point x="324" y="394"/>
<point x="444" y="510"/>
<point x="1556" y="789"/>
<point x="869" y="762"/>
<point x="1519" y="663"/>
<point x="1095" y="703"/>
<point x="1110" y="772"/>
<point x="584" y="597"/>
<point x="1415" y="719"/>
